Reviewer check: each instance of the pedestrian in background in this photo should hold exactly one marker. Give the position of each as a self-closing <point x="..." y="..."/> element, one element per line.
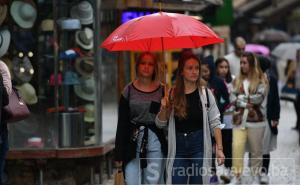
<point x="191" y="115"/>
<point x="250" y="90"/>
<point x="273" y="115"/>
<point x="234" y="57"/>
<point x="220" y="92"/>
<point x="5" y="91"/>
<point x="223" y="71"/>
<point x="140" y="145"/>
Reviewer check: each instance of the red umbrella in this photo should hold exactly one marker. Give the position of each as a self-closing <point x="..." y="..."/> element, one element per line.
<point x="160" y="31"/>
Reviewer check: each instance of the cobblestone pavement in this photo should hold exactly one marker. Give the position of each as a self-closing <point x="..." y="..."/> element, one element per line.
<point x="285" y="161"/>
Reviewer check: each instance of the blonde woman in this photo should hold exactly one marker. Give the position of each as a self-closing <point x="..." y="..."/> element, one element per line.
<point x="250" y="90"/>
<point x="191" y="116"/>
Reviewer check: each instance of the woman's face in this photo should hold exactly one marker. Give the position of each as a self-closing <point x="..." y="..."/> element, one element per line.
<point x="191" y="70"/>
<point x="146" y="67"/>
<point x="205" y="72"/>
<point x="223" y="69"/>
<point x="245" y="68"/>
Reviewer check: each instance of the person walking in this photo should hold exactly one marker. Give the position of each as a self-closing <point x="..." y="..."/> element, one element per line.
<point x="5" y="90"/>
<point x="140" y="146"/>
<point x="273" y="115"/>
<point x="219" y="90"/>
<point x="223" y="71"/>
<point x="250" y="90"/>
<point x="191" y="115"/>
<point x="234" y="57"/>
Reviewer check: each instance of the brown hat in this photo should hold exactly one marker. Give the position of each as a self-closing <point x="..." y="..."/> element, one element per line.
<point x="3" y="12"/>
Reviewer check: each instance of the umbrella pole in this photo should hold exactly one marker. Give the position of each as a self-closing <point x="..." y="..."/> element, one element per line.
<point x="164" y="81"/>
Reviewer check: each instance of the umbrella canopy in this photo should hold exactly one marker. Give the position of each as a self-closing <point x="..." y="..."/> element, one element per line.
<point x="286" y="51"/>
<point x="258" y="49"/>
<point x="160" y="31"/>
<point x="271" y="35"/>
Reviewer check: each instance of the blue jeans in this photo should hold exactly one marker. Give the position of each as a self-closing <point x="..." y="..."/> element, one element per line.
<point x="188" y="159"/>
<point x="153" y="174"/>
<point x="3" y="151"/>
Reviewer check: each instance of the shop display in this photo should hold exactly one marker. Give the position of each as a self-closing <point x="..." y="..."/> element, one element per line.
<point x="84" y="12"/>
<point x="84" y="38"/>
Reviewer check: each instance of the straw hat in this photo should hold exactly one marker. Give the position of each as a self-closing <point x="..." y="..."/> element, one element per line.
<point x="47" y="25"/>
<point x="89" y="114"/>
<point x="28" y="94"/>
<point x="86" y="89"/>
<point x="85" y="66"/>
<point x="3" y="12"/>
<point x="84" y="38"/>
<point x="84" y="12"/>
<point x="4" y="41"/>
<point x="23" y="13"/>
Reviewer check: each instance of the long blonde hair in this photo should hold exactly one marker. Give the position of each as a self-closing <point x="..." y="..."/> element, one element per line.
<point x="255" y="75"/>
<point x="178" y="98"/>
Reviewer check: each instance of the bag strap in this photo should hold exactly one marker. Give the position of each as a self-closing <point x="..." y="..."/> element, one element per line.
<point x="205" y="93"/>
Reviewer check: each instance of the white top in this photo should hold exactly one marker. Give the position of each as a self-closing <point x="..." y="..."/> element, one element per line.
<point x="234" y="63"/>
<point x="6" y="77"/>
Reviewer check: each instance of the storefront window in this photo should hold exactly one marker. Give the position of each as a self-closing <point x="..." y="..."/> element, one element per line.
<point x="53" y="64"/>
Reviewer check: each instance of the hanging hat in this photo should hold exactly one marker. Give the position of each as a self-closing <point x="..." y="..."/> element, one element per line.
<point x="84" y="38"/>
<point x="28" y="94"/>
<point x="23" y="13"/>
<point x="4" y="41"/>
<point x="69" y="54"/>
<point x="71" y="78"/>
<point x="86" y="89"/>
<point x="85" y="66"/>
<point x="3" y="12"/>
<point x="23" y="41"/>
<point x="89" y="114"/>
<point x="83" y="11"/>
<point x="47" y="25"/>
<point x="69" y="24"/>
<point x="22" y="69"/>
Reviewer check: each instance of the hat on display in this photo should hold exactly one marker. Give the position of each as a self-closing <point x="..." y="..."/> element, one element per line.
<point x="4" y="41"/>
<point x="85" y="66"/>
<point x="86" y="89"/>
<point x="22" y="69"/>
<point x="3" y="12"/>
<point x="84" y="12"/>
<point x="69" y="24"/>
<point x="47" y="25"/>
<point x="69" y="54"/>
<point x="89" y="114"/>
<point x="71" y="78"/>
<point x="23" y="13"/>
<point x="84" y="38"/>
<point x="23" y="41"/>
<point x="52" y="79"/>
<point x="28" y="93"/>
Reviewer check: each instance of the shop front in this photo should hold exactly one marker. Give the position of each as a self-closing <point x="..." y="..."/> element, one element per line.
<point x="69" y="85"/>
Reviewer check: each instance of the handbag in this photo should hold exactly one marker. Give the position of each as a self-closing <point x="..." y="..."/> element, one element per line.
<point x="238" y="116"/>
<point x="119" y="177"/>
<point x="16" y="110"/>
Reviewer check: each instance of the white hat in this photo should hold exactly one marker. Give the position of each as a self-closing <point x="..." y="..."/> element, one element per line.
<point x="86" y="89"/>
<point x="47" y="25"/>
<point x="28" y="94"/>
<point x="4" y="41"/>
<point x="69" y="24"/>
<point x="23" y="13"/>
<point x="3" y="12"/>
<point x="89" y="114"/>
<point x="85" y="66"/>
<point x="83" y="11"/>
<point x="84" y="38"/>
